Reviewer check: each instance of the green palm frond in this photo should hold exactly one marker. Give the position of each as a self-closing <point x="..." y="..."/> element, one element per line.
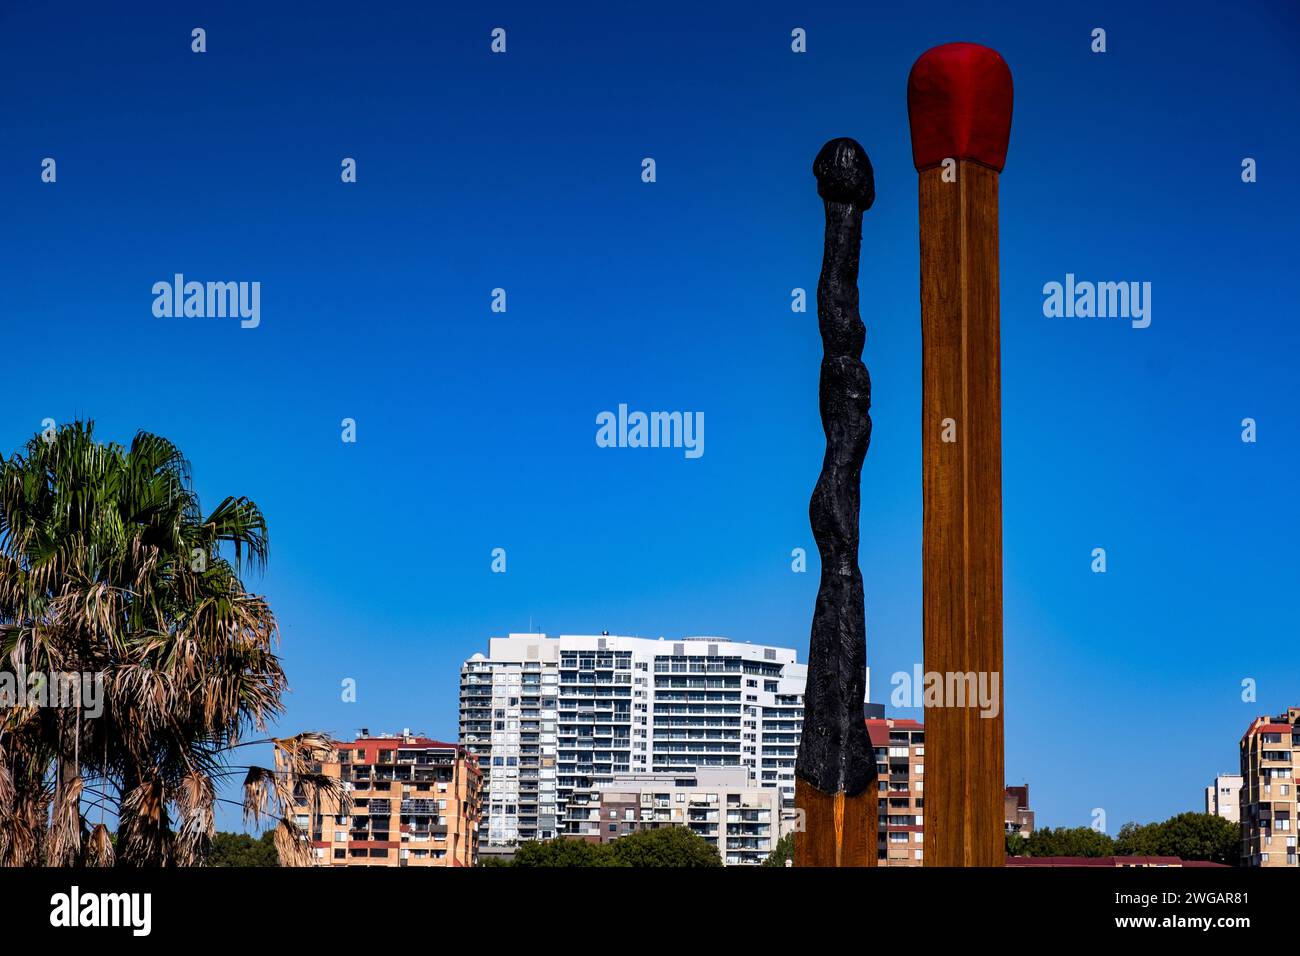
<point x="108" y="565"/>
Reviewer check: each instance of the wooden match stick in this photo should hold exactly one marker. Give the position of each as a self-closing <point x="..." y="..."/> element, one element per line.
<point x="959" y="105"/>
<point x="835" y="775"/>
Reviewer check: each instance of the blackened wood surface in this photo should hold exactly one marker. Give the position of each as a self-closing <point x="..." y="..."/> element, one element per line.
<point x="836" y="763"/>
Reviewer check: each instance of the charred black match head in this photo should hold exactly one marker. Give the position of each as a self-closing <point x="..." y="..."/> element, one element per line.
<point x="844" y="173"/>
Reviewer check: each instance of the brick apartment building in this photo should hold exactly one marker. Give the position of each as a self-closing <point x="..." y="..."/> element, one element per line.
<point x="899" y="745"/>
<point x="1270" y="753"/>
<point x="1016" y="816"/>
<point x="415" y="802"/>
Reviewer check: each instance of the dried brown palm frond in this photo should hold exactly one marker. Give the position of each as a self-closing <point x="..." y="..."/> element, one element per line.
<point x="296" y="754"/>
<point x="297" y="760"/>
<point x="6" y="778"/>
<point x="66" y="826"/>
<point x="292" y="845"/>
<point x="138" y="692"/>
<point x="144" y="828"/>
<point x="99" y="847"/>
<point x="22" y="829"/>
<point x="194" y="798"/>
<point x="324" y="794"/>
<point x="259" y="791"/>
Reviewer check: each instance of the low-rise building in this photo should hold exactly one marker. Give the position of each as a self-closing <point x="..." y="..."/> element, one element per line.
<point x="721" y="805"/>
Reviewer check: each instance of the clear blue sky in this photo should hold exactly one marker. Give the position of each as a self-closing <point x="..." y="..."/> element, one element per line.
<point x="476" y="430"/>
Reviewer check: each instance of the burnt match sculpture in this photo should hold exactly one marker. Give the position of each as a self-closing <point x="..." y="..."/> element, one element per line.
<point x="959" y="106"/>
<point x="835" y="776"/>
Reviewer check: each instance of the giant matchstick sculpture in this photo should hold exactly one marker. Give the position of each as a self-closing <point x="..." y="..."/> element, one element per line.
<point x="835" y="776"/>
<point x="959" y="106"/>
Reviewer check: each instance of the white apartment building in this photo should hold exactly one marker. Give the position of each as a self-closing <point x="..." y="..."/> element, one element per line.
<point x="720" y="805"/>
<point x="1223" y="798"/>
<point x="548" y="716"/>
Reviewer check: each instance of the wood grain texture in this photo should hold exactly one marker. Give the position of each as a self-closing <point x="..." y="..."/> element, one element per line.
<point x="962" y="479"/>
<point x="838" y="830"/>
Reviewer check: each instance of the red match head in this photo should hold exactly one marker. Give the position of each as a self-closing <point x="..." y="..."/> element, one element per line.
<point x="959" y="105"/>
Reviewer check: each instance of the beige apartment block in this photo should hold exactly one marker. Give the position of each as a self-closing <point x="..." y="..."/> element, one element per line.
<point x="415" y="802"/>
<point x="1269" y="752"/>
<point x="743" y="820"/>
<point x="900" y="763"/>
<point x="1223" y="797"/>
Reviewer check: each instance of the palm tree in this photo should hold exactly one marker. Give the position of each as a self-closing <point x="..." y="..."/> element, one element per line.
<point x="109" y="568"/>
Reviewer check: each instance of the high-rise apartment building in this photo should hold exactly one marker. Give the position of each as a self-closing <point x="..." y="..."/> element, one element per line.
<point x="551" y="716"/>
<point x="899" y="745"/>
<point x="1270" y="755"/>
<point x="1223" y="797"/>
<point x="415" y="802"/>
<point x="741" y="819"/>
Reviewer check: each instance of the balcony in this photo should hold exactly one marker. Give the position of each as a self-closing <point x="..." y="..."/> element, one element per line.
<point x="420" y="807"/>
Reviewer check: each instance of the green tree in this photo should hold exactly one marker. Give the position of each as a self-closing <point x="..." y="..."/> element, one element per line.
<point x="1138" y="839"/>
<point x="109" y="567"/>
<point x="241" y="849"/>
<point x="1188" y="836"/>
<point x="1015" y="844"/>
<point x="666" y="846"/>
<point x="1200" y="836"/>
<point x="1069" y="841"/>
<point x="784" y="851"/>
<point x="564" y="851"/>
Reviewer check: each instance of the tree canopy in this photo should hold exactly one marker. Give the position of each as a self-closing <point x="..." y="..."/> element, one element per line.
<point x="663" y="847"/>
<point x="110" y="572"/>
<point x="1188" y="836"/>
<point x="241" y="849"/>
<point x="783" y="851"/>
